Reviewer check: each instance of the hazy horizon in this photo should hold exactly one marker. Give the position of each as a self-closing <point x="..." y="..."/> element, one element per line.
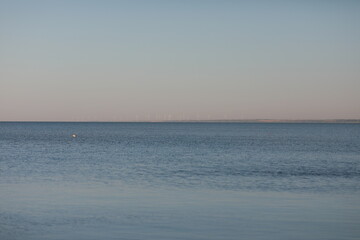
<point x="179" y="60"/>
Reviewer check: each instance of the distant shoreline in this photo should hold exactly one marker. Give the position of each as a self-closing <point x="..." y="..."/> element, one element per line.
<point x="206" y="121"/>
<point x="278" y="121"/>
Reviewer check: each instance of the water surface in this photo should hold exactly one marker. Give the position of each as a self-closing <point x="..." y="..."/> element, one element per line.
<point x="179" y="181"/>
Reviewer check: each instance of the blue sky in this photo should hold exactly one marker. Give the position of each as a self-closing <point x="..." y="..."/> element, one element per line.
<point x="175" y="60"/>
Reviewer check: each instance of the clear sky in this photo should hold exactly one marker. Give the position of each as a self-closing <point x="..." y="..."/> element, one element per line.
<point x="175" y="60"/>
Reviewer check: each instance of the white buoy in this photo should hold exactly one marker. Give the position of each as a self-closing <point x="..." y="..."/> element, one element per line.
<point x="74" y="135"/>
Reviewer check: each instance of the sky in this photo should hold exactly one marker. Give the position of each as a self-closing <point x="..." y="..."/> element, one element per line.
<point x="179" y="60"/>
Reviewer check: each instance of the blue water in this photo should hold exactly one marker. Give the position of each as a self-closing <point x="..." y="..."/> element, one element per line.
<point x="179" y="181"/>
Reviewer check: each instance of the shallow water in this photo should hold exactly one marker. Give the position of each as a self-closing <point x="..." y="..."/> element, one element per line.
<point x="179" y="181"/>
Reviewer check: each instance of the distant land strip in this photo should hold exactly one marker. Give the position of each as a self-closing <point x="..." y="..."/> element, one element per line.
<point x="224" y="121"/>
<point x="278" y="121"/>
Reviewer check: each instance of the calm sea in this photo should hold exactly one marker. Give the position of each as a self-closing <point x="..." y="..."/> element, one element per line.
<point x="179" y="181"/>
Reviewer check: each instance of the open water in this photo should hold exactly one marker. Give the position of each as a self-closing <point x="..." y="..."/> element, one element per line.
<point x="179" y="181"/>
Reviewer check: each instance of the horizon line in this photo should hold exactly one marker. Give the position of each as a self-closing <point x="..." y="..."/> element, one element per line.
<point x="334" y="120"/>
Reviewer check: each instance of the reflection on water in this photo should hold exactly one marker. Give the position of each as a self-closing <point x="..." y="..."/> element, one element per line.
<point x="113" y="211"/>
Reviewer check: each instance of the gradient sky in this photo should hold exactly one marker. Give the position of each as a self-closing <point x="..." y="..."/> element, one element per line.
<point x="175" y="60"/>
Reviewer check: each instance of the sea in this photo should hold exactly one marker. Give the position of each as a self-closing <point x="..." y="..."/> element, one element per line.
<point x="185" y="181"/>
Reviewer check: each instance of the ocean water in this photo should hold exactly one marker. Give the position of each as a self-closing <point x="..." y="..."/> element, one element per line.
<point x="179" y="181"/>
